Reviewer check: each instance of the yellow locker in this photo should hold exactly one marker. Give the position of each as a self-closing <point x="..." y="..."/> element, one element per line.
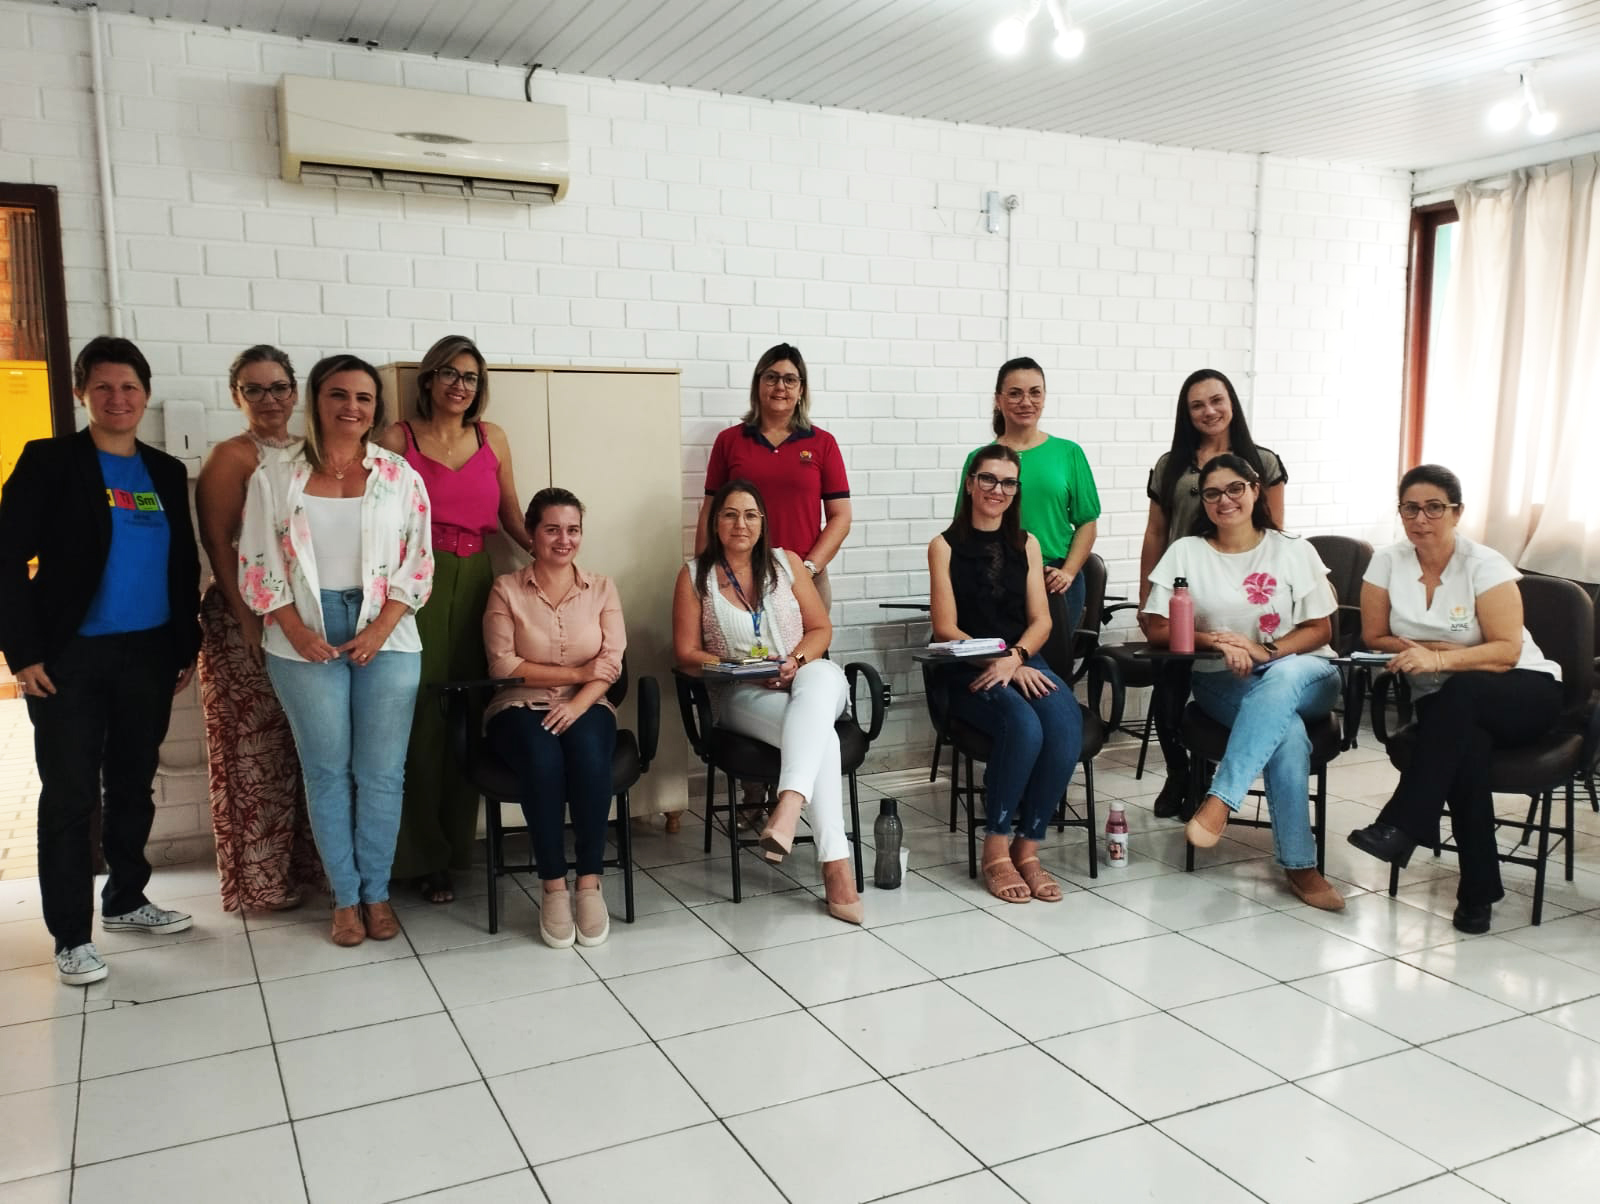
<point x="24" y="409"/>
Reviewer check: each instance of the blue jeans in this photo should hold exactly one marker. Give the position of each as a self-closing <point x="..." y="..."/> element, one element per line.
<point x="350" y="725"/>
<point x="1036" y="744"/>
<point x="557" y="772"/>
<point x="1266" y="712"/>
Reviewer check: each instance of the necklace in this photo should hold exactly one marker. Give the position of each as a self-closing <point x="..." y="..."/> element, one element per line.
<point x="338" y="470"/>
<point x="274" y="441"/>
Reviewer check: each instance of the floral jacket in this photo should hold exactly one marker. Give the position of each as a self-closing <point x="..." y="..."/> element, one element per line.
<point x="277" y="565"/>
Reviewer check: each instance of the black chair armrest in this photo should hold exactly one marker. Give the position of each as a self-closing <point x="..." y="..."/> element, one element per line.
<point x="1383" y="685"/>
<point x="1107" y="611"/>
<point x="694" y="708"/>
<point x="854" y="672"/>
<point x="462" y="703"/>
<point x="1104" y="671"/>
<point x="649" y="709"/>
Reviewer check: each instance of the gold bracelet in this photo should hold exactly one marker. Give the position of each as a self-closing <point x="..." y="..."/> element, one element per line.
<point x="1438" y="660"/>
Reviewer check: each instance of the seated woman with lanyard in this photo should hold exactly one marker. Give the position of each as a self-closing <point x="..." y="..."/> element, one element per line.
<point x="1261" y="599"/>
<point x="986" y="581"/>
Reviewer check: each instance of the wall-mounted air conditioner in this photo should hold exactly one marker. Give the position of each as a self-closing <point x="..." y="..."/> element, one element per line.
<point x="341" y="134"/>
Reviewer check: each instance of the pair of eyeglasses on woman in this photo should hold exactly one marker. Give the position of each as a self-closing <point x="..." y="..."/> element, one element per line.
<point x="1433" y="509"/>
<point x="773" y="379"/>
<point x="990" y="483"/>
<point x="281" y="390"/>
<point x="448" y="376"/>
<point x="1234" y="490"/>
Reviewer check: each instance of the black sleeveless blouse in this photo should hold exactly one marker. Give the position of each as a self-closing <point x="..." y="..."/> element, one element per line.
<point x="990" y="582"/>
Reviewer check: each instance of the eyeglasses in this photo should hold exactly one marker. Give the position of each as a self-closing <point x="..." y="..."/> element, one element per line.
<point x="989" y="483"/>
<point x="773" y="379"/>
<point x="1433" y="509"/>
<point x="281" y="390"/>
<point x="448" y="376"/>
<point x="1234" y="490"/>
<point x="1014" y="396"/>
<point x="751" y="518"/>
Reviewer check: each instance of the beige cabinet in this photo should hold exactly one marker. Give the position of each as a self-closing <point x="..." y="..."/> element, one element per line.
<point x="612" y="436"/>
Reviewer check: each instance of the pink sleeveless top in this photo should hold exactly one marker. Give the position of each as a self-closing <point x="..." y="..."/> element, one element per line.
<point x="466" y="500"/>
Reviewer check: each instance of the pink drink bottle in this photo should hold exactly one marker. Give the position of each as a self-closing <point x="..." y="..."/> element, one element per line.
<point x="1117" y="837"/>
<point x="1180" y="618"/>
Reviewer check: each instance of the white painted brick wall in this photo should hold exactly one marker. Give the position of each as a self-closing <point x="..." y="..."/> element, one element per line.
<point x="700" y="229"/>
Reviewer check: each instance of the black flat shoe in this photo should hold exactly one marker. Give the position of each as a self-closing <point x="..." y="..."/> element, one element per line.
<point x="1472" y="917"/>
<point x="1170" y="801"/>
<point x="1385" y="842"/>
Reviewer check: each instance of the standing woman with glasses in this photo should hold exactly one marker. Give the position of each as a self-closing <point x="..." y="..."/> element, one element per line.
<point x="334" y="552"/>
<point x="466" y="465"/>
<point x="265" y="852"/>
<point x="796" y="466"/>
<point x="1060" y="506"/>
<point x="1450" y="611"/>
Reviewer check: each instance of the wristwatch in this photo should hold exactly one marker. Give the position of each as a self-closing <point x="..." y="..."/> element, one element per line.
<point x="811" y="567"/>
<point x="799" y="658"/>
<point x="1270" y="644"/>
<point x="1022" y="653"/>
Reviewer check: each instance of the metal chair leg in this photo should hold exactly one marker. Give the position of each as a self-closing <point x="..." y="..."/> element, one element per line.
<point x="855" y="837"/>
<point x="1144" y="743"/>
<point x="933" y="765"/>
<point x="1088" y="812"/>
<point x="1544" y="850"/>
<point x="733" y="842"/>
<point x="625" y="854"/>
<point x="711" y="796"/>
<point x="955" y="779"/>
<point x="491" y="853"/>
<point x="972" y="824"/>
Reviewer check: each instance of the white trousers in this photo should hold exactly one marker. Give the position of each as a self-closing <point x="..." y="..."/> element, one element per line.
<point x="799" y="723"/>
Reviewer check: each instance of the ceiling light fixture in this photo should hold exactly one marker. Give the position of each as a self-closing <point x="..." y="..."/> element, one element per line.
<point x="1508" y="114"/>
<point x="1010" y="36"/>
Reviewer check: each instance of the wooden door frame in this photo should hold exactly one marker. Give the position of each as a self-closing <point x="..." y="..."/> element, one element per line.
<point x="42" y="199"/>
<point x="1425" y="223"/>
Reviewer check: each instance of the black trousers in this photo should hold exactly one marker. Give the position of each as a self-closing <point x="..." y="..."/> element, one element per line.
<point x="1458" y="729"/>
<point x="99" y="736"/>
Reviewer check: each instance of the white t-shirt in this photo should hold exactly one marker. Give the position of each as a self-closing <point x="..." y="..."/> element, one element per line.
<point x="1453" y="617"/>
<point x="1267" y="591"/>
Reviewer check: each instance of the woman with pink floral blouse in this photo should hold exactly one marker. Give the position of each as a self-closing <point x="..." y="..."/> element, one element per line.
<point x="335" y="553"/>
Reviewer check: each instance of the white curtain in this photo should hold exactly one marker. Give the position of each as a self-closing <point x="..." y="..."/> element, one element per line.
<point x="1514" y="384"/>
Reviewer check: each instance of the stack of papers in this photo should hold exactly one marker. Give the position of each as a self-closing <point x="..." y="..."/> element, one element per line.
<point x="968" y="647"/>
<point x="749" y="668"/>
<point x="1372" y="658"/>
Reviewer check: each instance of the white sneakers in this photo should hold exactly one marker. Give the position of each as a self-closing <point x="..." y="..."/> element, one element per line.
<point x="82" y="964"/>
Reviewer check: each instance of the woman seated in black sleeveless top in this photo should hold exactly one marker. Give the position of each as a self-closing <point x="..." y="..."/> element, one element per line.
<point x="986" y="578"/>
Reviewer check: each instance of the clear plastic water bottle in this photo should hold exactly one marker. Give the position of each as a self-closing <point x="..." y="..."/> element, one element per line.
<point x="1116" y="837"/>
<point x="887" y="835"/>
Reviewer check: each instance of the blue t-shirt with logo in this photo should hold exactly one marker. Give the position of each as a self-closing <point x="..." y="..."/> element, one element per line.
<point x="133" y="589"/>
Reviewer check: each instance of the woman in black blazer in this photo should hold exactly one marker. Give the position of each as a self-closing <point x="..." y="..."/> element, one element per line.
<point x="100" y="639"/>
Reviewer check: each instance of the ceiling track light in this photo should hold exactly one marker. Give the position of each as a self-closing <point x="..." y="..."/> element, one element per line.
<point x="1010" y="36"/>
<point x="1508" y="114"/>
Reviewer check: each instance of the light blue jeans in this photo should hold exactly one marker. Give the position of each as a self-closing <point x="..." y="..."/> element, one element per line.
<point x="1266" y="713"/>
<point x="351" y="724"/>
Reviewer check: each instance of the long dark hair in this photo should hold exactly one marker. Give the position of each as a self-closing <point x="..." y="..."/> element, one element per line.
<point x="1011" y="532"/>
<point x="763" y="572"/>
<point x="1260" y="516"/>
<point x="1022" y="363"/>
<point x="1186" y="440"/>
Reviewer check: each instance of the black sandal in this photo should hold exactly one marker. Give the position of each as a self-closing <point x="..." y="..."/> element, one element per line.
<point x="437" y="888"/>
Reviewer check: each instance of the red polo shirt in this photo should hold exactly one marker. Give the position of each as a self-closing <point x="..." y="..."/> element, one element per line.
<point x="794" y="478"/>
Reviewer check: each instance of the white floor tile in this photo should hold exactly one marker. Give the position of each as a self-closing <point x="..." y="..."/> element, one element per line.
<point x="875" y="1143"/>
<point x="669" y="939"/>
<point x="767" y="920"/>
<point x="1402" y="1000"/>
<point x="699" y="995"/>
<point x="1390" y="926"/>
<point x="1180" y="901"/>
<point x="914" y="1028"/>
<point x="1566" y="1167"/>
<point x="167" y="971"/>
<point x="1574" y="939"/>
<point x="1157" y="1065"/>
<point x="1541" y="1061"/>
<point x="1514" y="974"/>
<point x="965" y="942"/>
<point x="1136" y="1164"/>
<point x="916" y="898"/>
<point x="519" y="1187"/>
<point x="36" y="993"/>
<point x="983" y="1187"/>
<point x="297" y="949"/>
<point x="1289" y="1033"/>
<point x="1582" y="1018"/>
<point x="368" y="1065"/>
<point x="432" y="927"/>
<point x="687" y="1167"/>
<point x="1441" y="1111"/>
<point x="38" y="1128"/>
<point x="41" y="1189"/>
<point x="1286" y="1145"/>
<point x="339" y="999"/>
<point x="211" y="1097"/>
<point x="210" y="922"/>
<point x="1438" y="895"/>
<point x="591" y="1103"/>
<point x="1069" y="1108"/>
<point x="259" y="1167"/>
<point x="484" y="973"/>
<point x="838" y="967"/>
<point x="710" y="880"/>
<point x="552" y="1026"/>
<point x="173" y="1030"/>
<point x="1050" y="997"/>
<point x="408" y="1147"/>
<point x="1282" y="947"/>
<point x="25" y="943"/>
<point x="1442" y="1189"/>
<point x="760" y="1063"/>
<point x="1263" y="881"/>
<point x="1170" y="971"/>
<point x="1082" y="920"/>
<point x="40" y="1053"/>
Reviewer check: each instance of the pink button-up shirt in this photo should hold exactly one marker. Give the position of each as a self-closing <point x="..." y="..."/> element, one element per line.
<point x="521" y="623"/>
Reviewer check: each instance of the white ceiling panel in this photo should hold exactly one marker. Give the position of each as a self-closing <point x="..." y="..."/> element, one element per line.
<point x="1394" y="83"/>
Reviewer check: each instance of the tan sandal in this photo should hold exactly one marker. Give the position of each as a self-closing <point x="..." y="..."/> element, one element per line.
<point x="1001" y="875"/>
<point x="1205" y="830"/>
<point x="1038" y="880"/>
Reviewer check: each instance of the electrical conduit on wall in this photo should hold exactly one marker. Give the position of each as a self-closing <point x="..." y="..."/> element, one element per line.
<point x="1255" y="286"/>
<point x="108" y="222"/>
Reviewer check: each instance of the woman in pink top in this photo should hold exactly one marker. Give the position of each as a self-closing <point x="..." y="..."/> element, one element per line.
<point x="560" y="630"/>
<point x="466" y="465"/>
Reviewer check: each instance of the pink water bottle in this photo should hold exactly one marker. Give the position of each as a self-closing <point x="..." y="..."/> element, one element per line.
<point x="1117" y="837"/>
<point x="1180" y="618"/>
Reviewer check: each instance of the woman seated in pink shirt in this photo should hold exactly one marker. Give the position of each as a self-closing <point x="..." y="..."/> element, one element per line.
<point x="559" y="629"/>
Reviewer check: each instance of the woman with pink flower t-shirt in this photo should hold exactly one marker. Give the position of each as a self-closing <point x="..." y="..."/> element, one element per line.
<point x="336" y="554"/>
<point x="1262" y="600"/>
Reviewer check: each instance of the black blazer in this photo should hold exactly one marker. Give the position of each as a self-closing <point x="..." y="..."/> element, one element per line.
<point x="54" y="507"/>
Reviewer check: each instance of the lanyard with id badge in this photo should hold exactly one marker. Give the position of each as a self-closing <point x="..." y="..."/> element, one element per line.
<point x="758" y="647"/>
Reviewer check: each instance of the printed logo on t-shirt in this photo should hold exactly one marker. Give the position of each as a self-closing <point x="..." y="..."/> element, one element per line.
<point x="805" y="457"/>
<point x="122" y="499"/>
<point x="1460" y="618"/>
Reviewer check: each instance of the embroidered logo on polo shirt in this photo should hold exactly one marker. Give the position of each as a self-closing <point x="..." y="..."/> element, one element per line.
<point x="805" y="457"/>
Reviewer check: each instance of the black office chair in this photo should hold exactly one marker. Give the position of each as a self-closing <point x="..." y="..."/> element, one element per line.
<point x="1347" y="560"/>
<point x="750" y="760"/>
<point x="464" y="702"/>
<point x="1560" y="617"/>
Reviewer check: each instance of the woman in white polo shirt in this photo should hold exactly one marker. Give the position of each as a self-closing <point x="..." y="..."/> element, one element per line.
<point x="1451" y="612"/>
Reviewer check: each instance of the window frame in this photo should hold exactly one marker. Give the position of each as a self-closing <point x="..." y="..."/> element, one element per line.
<point x="43" y="200"/>
<point x="1425" y="223"/>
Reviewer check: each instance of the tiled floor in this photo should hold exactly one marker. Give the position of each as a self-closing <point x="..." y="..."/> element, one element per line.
<point x="1157" y="1036"/>
<point x="19" y="787"/>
